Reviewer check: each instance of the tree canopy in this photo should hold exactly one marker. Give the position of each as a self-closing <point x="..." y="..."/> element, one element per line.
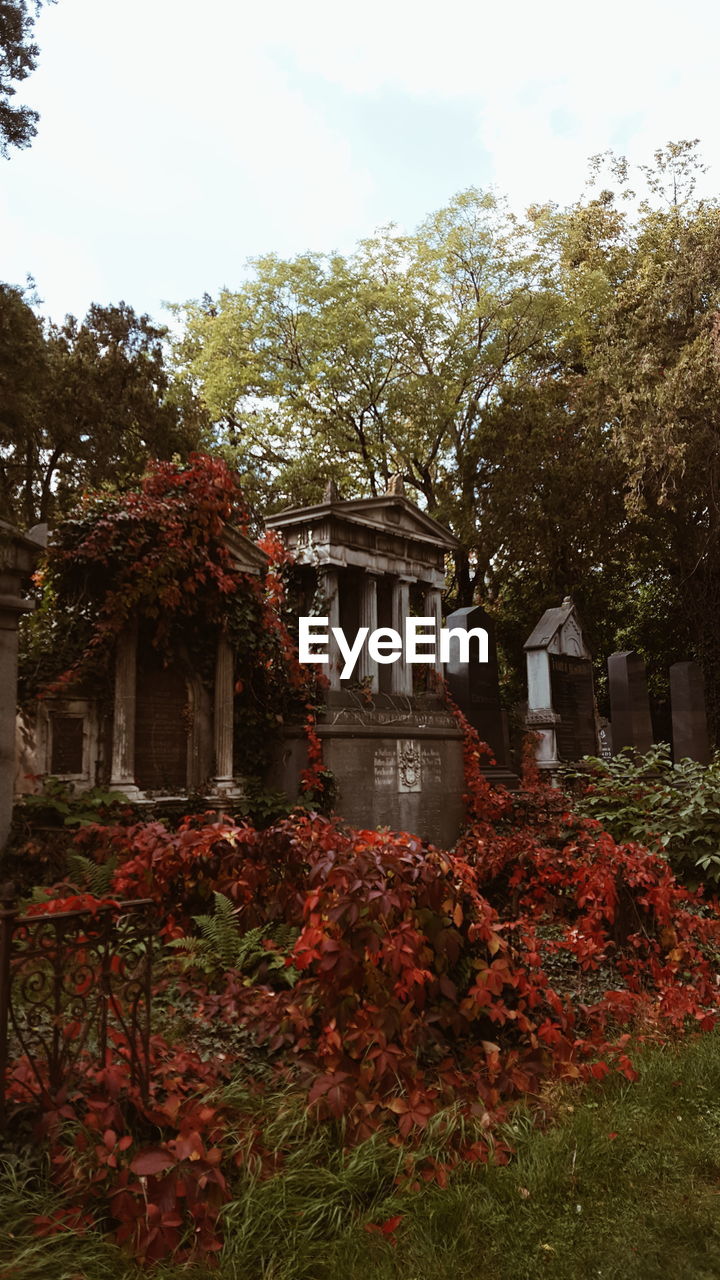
<point x="18" y="58"/>
<point x="545" y="384"/>
<point x="82" y="404"/>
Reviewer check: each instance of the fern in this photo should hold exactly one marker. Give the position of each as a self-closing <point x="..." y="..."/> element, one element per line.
<point x="223" y="945"/>
<point x="88" y="875"/>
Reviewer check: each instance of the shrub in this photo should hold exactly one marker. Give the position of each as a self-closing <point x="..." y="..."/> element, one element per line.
<point x="674" y="809"/>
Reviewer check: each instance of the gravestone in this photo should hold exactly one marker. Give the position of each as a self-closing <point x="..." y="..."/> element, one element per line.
<point x="689" y="720"/>
<point x="629" y="702"/>
<point x="605" y="739"/>
<point x="561" y="701"/>
<point x="475" y="687"/>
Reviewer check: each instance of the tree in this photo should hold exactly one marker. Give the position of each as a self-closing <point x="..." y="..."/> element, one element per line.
<point x="415" y="355"/>
<point x="654" y="377"/>
<point x="91" y="404"/>
<point x="18" y="58"/>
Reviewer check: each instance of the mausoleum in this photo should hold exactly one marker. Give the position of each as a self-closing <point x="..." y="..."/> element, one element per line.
<point x="161" y="729"/>
<point x="394" y="748"/>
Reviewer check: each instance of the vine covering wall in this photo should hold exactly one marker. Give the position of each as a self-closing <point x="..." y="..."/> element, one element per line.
<point x="157" y="554"/>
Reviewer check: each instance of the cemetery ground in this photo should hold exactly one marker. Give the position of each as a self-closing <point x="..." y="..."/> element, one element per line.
<point x="620" y="1180"/>
<point x="372" y="1058"/>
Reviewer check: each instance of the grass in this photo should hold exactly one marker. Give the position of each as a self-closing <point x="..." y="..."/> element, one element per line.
<point x="623" y="1185"/>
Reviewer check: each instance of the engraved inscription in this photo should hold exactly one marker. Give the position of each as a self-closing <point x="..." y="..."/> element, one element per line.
<point x="385" y="768"/>
<point x="431" y="766"/>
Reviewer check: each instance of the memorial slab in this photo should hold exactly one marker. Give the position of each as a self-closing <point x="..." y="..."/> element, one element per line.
<point x="689" y="717"/>
<point x="629" y="702"/>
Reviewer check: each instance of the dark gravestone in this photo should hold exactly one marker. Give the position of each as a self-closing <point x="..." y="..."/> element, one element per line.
<point x="474" y="686"/>
<point x="689" y="721"/>
<point x="629" y="702"/>
<point x="571" y="686"/>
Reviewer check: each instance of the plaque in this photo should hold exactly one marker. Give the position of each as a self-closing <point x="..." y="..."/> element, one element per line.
<point x="572" y="698"/>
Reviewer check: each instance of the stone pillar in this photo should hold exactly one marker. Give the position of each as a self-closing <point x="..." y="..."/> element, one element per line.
<point x="10" y="610"/>
<point x="433" y="609"/>
<point x="689" y="720"/>
<point x="329" y="585"/>
<point x="18" y="557"/>
<point x="122" y="767"/>
<point x="223" y="724"/>
<point x="401" y="671"/>
<point x="629" y="702"/>
<point x="367" y="667"/>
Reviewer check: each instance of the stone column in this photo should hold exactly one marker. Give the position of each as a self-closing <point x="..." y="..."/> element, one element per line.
<point x="329" y="586"/>
<point x="541" y="717"/>
<point x="401" y="671"/>
<point x="367" y="668"/>
<point x="224" y="717"/>
<point x="122" y="767"/>
<point x="433" y="609"/>
<point x="18" y="557"/>
<point x="11" y="608"/>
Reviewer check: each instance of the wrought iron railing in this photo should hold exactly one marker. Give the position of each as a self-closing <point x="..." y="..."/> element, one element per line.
<point x="72" y="984"/>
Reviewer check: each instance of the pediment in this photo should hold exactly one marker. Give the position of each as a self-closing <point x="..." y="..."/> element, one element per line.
<point x="390" y="513"/>
<point x="247" y="556"/>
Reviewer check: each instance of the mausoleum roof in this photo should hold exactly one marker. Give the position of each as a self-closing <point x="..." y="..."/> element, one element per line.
<point x="248" y="557"/>
<point x="391" y="513"/>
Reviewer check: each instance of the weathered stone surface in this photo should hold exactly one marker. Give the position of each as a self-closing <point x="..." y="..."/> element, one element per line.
<point x="396" y="753"/>
<point x="18" y="557"/>
<point x="407" y="777"/>
<point x="475" y="686"/>
<point x="629" y="702"/>
<point x="561" y="702"/>
<point x="689" y="718"/>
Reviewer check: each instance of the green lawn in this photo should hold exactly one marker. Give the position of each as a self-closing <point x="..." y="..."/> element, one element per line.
<point x="576" y="1201"/>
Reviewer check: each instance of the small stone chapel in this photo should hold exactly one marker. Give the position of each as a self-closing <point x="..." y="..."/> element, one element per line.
<point x="168" y="730"/>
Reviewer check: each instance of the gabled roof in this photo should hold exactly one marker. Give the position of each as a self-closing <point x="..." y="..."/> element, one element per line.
<point x="550" y="623"/>
<point x="392" y="513"/>
<point x="247" y="556"/>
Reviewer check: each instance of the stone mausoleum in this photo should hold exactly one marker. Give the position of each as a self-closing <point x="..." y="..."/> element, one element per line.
<point x="161" y="729"/>
<point x="394" y="748"/>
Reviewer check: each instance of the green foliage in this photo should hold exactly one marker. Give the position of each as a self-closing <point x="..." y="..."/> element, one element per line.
<point x="641" y="1161"/>
<point x="223" y="945"/>
<point x="59" y="805"/>
<point x="18" y="58"/>
<point x="92" y="877"/>
<point x="85" y="404"/>
<point x="674" y="809"/>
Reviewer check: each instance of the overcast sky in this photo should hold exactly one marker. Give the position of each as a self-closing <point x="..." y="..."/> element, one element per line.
<point x="179" y="139"/>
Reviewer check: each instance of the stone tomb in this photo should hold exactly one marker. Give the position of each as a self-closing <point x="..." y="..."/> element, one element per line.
<point x="394" y="748"/>
<point x="475" y="688"/>
<point x="165" y="732"/>
<point x="629" y="702"/>
<point x="561" y="702"/>
<point x="689" y="719"/>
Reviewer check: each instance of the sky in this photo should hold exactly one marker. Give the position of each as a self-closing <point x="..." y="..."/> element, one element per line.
<point x="179" y="140"/>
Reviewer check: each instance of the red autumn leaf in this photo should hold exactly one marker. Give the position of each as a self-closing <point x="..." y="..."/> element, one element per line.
<point x="150" y="1163"/>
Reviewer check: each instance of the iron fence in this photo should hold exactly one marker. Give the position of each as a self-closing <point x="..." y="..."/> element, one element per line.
<point x="72" y="983"/>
